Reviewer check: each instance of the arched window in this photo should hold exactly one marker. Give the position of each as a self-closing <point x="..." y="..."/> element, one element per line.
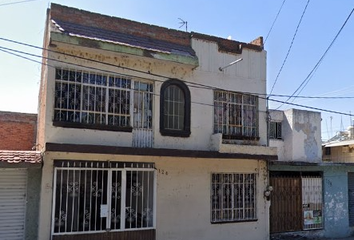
<point x="175" y="108"/>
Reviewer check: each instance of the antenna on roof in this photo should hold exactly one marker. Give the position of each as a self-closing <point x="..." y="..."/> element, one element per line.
<point x="182" y="22"/>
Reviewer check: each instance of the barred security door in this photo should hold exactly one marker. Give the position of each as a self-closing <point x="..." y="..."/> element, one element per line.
<point x="93" y="197"/>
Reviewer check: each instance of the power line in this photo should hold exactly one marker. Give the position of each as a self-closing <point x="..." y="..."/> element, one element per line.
<point x="276" y="17"/>
<point x="201" y="85"/>
<point x="290" y="47"/>
<point x="12" y="3"/>
<point x="310" y="97"/>
<point x="312" y="72"/>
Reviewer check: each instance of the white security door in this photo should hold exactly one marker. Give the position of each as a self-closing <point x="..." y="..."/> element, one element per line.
<point x="13" y="185"/>
<point x="142" y="115"/>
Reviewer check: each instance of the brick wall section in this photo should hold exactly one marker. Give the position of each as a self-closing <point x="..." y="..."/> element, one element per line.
<point x="17" y="131"/>
<point x="119" y="25"/>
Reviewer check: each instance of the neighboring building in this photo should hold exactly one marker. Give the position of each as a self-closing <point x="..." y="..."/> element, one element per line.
<point x="308" y="194"/>
<point x="338" y="151"/>
<point x="145" y="134"/>
<point x="20" y="175"/>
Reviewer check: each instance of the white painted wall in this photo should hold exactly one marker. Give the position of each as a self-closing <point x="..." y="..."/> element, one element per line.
<point x="248" y="76"/>
<point x="301" y="136"/>
<point x="278" y="116"/>
<point x="183" y="196"/>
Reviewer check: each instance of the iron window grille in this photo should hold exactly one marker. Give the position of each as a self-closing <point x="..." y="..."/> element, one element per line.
<point x="275" y="131"/>
<point x="93" y="99"/>
<point x="94" y="197"/>
<point x="236" y="115"/>
<point x="233" y="197"/>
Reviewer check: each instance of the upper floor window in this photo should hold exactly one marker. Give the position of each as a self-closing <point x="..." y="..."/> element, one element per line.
<point x="175" y="109"/>
<point x="275" y="130"/>
<point x="95" y="100"/>
<point x="235" y="115"/>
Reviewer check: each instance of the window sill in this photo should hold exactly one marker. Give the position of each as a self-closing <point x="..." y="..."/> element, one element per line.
<point x="276" y="139"/>
<point x="238" y="137"/>
<point x="175" y="133"/>
<point x="92" y="126"/>
<point x="235" y="221"/>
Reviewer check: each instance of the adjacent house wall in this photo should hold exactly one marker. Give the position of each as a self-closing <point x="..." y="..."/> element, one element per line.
<point x="17" y="131"/>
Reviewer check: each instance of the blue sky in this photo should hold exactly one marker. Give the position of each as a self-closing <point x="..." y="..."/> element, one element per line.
<point x="242" y="20"/>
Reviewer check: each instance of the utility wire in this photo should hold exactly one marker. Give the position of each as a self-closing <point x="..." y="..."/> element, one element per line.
<point x="203" y="86"/>
<point x="12" y="3"/>
<point x="309" y="76"/>
<point x="276" y="17"/>
<point x="290" y="47"/>
<point x="4" y="49"/>
<point x="96" y="61"/>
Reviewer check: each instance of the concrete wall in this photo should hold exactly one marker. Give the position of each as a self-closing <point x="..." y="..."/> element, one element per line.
<point x="183" y="196"/>
<point x="278" y="116"/>
<point x="247" y="76"/>
<point x="335" y="195"/>
<point x="301" y="136"/>
<point x="32" y="207"/>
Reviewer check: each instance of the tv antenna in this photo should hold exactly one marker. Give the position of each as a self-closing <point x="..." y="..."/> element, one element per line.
<point x="182" y="22"/>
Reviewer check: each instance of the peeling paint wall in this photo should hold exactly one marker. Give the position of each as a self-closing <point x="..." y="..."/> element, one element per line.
<point x="335" y="194"/>
<point x="301" y="136"/>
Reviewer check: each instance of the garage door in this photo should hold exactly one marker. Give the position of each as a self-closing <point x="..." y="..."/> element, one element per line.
<point x="12" y="203"/>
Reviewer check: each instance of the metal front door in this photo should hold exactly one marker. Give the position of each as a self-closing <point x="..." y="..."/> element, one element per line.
<point x="286" y="202"/>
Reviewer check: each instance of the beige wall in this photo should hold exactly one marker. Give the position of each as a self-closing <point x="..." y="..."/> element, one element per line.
<point x="248" y="76"/>
<point x="183" y="196"/>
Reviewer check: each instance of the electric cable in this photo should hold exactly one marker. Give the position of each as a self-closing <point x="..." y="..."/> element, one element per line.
<point x="314" y="69"/>
<point x="205" y="86"/>
<point x="276" y="17"/>
<point x="290" y="47"/>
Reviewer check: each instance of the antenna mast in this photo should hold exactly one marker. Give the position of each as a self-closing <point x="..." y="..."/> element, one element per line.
<point x="182" y="22"/>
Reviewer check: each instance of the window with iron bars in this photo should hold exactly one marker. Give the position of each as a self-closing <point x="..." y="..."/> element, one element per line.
<point x="99" y="196"/>
<point x="233" y="197"/>
<point x="235" y="115"/>
<point x="275" y="130"/>
<point x="94" y="99"/>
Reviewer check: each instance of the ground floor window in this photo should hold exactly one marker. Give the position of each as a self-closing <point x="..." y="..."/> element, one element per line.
<point x="233" y="197"/>
<point x="101" y="196"/>
<point x="296" y="201"/>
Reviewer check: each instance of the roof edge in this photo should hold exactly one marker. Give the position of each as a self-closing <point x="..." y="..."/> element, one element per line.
<point x="123" y="48"/>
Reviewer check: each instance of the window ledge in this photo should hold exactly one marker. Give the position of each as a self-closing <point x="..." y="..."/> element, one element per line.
<point x="235" y="221"/>
<point x="91" y="126"/>
<point x="239" y="137"/>
<point x="175" y="133"/>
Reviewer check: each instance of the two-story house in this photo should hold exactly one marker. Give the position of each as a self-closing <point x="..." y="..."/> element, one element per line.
<point x="20" y="176"/>
<point x="310" y="196"/>
<point x="150" y="133"/>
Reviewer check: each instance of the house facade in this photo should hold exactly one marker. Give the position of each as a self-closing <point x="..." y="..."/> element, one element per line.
<point x="150" y="133"/>
<point x="20" y="176"/>
<point x="310" y="195"/>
